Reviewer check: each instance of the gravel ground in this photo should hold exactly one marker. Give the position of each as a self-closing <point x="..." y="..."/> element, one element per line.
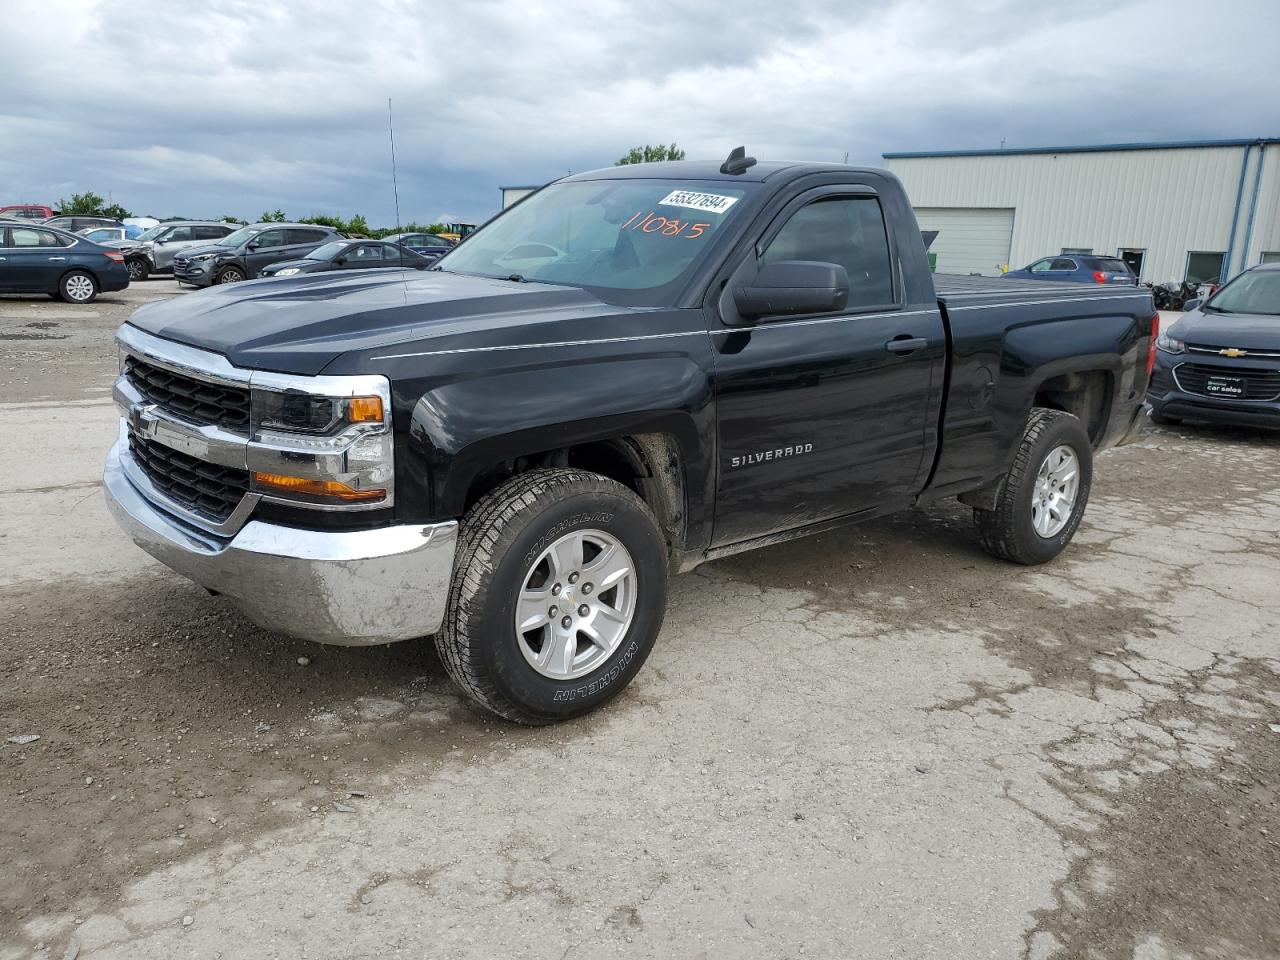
<point x="874" y="743"/>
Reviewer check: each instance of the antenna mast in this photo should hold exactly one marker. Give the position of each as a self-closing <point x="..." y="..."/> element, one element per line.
<point x="394" y="185"/>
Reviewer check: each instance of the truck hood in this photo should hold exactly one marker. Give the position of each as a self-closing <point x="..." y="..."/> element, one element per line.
<point x="1244" y="331"/>
<point x="300" y="324"/>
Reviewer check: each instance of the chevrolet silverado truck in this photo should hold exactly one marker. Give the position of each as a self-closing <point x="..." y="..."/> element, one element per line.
<point x="631" y="372"/>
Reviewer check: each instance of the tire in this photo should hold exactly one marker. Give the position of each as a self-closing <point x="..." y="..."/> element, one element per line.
<point x="138" y="269"/>
<point x="1010" y="530"/>
<point x="78" y="287"/>
<point x="230" y="275"/>
<point x="501" y="549"/>
<point x="1162" y="420"/>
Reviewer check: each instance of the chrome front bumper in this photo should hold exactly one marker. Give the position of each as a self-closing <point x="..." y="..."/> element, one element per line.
<point x="352" y="588"/>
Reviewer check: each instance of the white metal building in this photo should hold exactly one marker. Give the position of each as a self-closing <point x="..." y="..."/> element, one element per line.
<point x="1198" y="210"/>
<point x="513" y="195"/>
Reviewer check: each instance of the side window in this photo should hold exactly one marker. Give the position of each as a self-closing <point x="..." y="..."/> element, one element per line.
<point x="366" y="251"/>
<point x="1040" y="266"/>
<point x="268" y="238"/>
<point x="307" y="236"/>
<point x="849" y="231"/>
<point x="1063" y="264"/>
<point x="179" y="235"/>
<point x="23" y="237"/>
<point x="208" y="233"/>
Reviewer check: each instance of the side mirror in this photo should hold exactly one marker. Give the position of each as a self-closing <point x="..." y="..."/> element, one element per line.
<point x="1192" y="304"/>
<point x="789" y="287"/>
<point x="341" y="261"/>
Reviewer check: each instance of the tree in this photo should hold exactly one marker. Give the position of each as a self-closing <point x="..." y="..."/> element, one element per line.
<point x="276" y="216"/>
<point x="89" y="204"/>
<point x="230" y="219"/>
<point x="650" y="154"/>
<point x="115" y="212"/>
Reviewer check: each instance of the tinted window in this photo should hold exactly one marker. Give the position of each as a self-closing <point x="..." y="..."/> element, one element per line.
<point x="1063" y="264"/>
<point x="178" y="234"/>
<point x="269" y="238"/>
<point x="210" y="233"/>
<point x="24" y="237"/>
<point x="844" y="230"/>
<point x="307" y="236"/>
<point x="1111" y="265"/>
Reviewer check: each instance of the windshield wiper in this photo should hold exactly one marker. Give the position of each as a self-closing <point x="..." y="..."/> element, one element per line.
<point x="516" y="278"/>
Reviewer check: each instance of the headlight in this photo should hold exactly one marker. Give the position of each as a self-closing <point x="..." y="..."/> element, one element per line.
<point x="1170" y="345"/>
<point x="323" y="451"/>
<point x="286" y="272"/>
<point x="202" y="258"/>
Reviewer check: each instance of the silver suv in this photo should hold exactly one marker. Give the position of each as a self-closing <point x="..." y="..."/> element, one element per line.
<point x="155" y="248"/>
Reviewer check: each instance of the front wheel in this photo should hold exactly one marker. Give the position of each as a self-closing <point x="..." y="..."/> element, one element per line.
<point x="1042" y="498"/>
<point x="559" y="591"/>
<point x="230" y="275"/>
<point x="138" y="269"/>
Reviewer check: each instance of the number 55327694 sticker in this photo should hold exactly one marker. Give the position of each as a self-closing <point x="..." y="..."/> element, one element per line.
<point x="716" y="203"/>
<point x="665" y="226"/>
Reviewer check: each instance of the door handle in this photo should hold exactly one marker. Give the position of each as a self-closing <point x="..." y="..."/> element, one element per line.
<point x="52" y="259"/>
<point x="905" y="344"/>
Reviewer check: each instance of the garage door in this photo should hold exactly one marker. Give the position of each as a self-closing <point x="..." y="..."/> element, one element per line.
<point x="970" y="239"/>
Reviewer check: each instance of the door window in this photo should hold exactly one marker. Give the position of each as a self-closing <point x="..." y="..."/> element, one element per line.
<point x="23" y="237"/>
<point x="209" y="233"/>
<point x="179" y="235"/>
<point x="849" y="231"/>
<point x="307" y="236"/>
<point x="1063" y="264"/>
<point x="365" y="252"/>
<point x="268" y="238"/>
<point x="1041" y="266"/>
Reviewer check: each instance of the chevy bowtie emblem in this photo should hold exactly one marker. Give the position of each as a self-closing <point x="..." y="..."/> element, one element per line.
<point x="143" y="419"/>
<point x="1234" y="352"/>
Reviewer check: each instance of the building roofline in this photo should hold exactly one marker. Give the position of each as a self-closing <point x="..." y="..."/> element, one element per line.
<point x="1083" y="148"/>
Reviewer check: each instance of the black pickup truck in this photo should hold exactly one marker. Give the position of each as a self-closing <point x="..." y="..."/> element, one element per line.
<point x="631" y="372"/>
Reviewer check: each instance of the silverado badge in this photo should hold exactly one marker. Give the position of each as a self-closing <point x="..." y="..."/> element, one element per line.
<point x="1234" y="352"/>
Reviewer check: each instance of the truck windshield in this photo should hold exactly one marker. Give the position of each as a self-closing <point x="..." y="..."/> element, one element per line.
<point x="628" y="241"/>
<point x="1257" y="291"/>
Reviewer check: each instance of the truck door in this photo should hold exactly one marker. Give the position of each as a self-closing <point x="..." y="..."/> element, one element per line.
<point x="824" y="415"/>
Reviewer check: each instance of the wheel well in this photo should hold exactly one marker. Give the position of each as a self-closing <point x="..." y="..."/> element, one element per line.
<point x="1085" y="395"/>
<point x="646" y="463"/>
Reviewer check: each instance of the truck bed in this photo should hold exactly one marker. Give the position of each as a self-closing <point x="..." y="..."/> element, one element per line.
<point x="956" y="290"/>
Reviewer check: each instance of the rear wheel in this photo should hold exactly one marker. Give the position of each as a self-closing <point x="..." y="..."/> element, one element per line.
<point x="1042" y="498"/>
<point x="78" y="287"/>
<point x="230" y="275"/>
<point x="559" y="590"/>
<point x="138" y="269"/>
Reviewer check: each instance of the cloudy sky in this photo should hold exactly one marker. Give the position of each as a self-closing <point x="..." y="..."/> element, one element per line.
<point x="233" y="107"/>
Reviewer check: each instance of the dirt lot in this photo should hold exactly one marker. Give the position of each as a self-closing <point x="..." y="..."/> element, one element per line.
<point x="877" y="743"/>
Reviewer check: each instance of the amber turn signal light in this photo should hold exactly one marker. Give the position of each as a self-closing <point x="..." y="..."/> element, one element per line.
<point x="364" y="410"/>
<point x="329" y="489"/>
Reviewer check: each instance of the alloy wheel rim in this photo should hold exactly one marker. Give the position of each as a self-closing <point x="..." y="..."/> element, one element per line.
<point x="576" y="603"/>
<point x="231" y="276"/>
<point x="135" y="270"/>
<point x="1054" y="499"/>
<point x="79" y="288"/>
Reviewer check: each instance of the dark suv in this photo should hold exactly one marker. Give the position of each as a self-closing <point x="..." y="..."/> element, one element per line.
<point x="245" y="253"/>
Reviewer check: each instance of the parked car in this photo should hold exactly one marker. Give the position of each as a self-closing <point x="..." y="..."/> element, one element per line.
<point x="37" y="259"/>
<point x="158" y="246"/>
<point x="117" y="237"/>
<point x="27" y="211"/>
<point x="427" y="244"/>
<point x="1077" y="268"/>
<point x="1221" y="360"/>
<point x="631" y="372"/>
<point x="247" y="252"/>
<point x="76" y="224"/>
<point x="350" y="255"/>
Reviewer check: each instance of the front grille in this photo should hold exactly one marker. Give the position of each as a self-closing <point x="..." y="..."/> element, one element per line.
<point x="191" y="399"/>
<point x="1258" y="384"/>
<point x="205" y="488"/>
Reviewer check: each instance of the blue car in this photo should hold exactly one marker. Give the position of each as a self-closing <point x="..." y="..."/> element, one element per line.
<point x="1077" y="268"/>
<point x="38" y="259"/>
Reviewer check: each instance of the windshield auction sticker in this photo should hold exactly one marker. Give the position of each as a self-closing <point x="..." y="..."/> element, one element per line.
<point x="708" y="202"/>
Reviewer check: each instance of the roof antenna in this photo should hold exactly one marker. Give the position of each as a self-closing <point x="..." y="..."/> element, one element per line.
<point x="738" y="162"/>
